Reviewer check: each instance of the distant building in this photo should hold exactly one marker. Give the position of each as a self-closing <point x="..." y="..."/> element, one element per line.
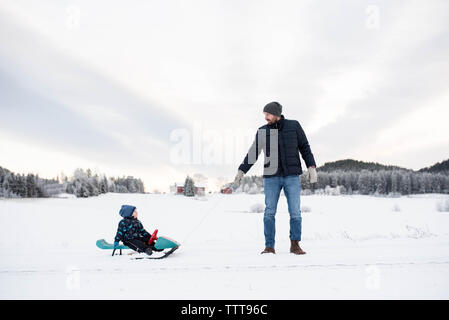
<point x="200" y="190"/>
<point x="178" y="189"/>
<point x="226" y="190"/>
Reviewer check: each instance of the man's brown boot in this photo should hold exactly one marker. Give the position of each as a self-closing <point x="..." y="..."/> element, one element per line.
<point x="268" y="250"/>
<point x="295" y="248"/>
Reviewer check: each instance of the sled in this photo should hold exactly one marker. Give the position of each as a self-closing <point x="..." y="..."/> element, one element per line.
<point x="162" y="243"/>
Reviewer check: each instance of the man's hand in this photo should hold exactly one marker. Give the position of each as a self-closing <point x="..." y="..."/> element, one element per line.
<point x="313" y="176"/>
<point x="238" y="177"/>
<point x="116" y="244"/>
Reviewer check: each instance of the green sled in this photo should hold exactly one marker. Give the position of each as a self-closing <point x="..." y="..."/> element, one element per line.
<point x="161" y="244"/>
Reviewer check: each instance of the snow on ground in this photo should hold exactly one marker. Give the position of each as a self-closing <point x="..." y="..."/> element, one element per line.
<point x="358" y="247"/>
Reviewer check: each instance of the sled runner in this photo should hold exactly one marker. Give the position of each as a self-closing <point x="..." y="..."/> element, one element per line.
<point x="162" y="243"/>
<point x="164" y="254"/>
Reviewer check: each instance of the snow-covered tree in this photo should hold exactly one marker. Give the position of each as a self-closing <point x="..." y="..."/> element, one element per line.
<point x="189" y="187"/>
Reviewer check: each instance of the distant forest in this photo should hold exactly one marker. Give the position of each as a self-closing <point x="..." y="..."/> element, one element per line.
<point x="339" y="177"/>
<point x="381" y="182"/>
<point x="368" y="178"/>
<point x="360" y="177"/>
<point x="82" y="184"/>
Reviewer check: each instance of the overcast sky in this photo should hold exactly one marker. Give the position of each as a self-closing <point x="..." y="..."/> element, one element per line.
<point x="119" y="86"/>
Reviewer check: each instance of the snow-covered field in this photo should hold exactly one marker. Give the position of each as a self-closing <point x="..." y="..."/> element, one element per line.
<point x="358" y="247"/>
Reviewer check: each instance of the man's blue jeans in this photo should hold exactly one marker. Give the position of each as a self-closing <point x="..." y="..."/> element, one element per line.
<point x="272" y="190"/>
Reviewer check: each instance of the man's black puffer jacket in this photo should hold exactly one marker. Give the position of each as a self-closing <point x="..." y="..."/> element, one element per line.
<point x="286" y="139"/>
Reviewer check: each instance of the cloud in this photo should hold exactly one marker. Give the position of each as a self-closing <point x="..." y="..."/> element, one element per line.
<point x="402" y="73"/>
<point x="51" y="98"/>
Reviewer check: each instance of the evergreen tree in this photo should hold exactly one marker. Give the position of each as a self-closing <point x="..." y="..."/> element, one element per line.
<point x="189" y="187"/>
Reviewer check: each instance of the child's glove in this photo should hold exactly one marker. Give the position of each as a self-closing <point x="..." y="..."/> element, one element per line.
<point x="115" y="244"/>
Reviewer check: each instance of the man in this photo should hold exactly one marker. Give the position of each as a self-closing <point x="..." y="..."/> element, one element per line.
<point x="280" y="139"/>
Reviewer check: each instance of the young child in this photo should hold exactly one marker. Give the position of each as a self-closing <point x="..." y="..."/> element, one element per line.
<point x="132" y="234"/>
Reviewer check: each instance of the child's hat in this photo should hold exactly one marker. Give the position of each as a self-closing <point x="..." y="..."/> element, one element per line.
<point x="127" y="211"/>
